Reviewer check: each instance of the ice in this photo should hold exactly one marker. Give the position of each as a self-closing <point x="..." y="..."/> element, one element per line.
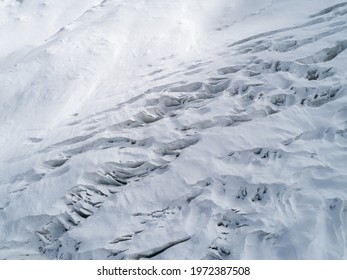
<point x="180" y="129"/>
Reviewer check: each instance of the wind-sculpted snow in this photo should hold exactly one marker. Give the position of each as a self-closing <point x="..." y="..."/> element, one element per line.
<point x="238" y="152"/>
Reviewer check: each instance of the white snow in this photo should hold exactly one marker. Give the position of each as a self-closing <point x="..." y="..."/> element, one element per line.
<point x="182" y="129"/>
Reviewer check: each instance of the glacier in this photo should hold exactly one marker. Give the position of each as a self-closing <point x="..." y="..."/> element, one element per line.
<point x="157" y="129"/>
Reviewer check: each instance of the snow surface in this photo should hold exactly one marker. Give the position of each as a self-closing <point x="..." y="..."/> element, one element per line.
<point x="183" y="129"/>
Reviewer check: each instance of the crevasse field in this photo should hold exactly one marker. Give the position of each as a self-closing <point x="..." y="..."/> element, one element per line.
<point x="173" y="129"/>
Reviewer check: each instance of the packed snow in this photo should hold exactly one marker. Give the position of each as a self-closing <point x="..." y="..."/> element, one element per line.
<point x="157" y="129"/>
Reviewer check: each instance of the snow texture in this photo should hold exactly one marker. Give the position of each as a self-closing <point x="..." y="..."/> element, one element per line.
<point x="184" y="129"/>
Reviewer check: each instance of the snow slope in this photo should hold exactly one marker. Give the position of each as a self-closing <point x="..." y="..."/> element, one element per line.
<point x="179" y="129"/>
